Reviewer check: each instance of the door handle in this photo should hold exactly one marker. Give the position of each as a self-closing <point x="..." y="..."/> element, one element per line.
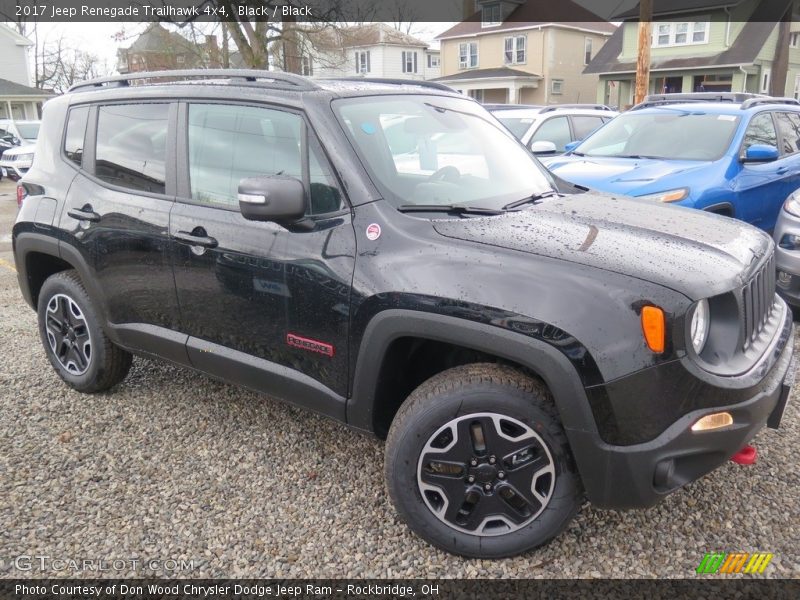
<point x="196" y="238"/>
<point x="84" y="214"/>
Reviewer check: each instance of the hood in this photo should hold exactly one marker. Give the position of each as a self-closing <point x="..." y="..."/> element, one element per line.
<point x="621" y="175"/>
<point x="24" y="149"/>
<point x="696" y="253"/>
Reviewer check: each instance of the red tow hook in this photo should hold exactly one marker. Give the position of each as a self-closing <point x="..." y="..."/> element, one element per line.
<point x="745" y="456"/>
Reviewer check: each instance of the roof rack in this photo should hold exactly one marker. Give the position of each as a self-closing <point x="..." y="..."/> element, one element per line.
<point x="239" y="76"/>
<point x="491" y="107"/>
<point x="756" y="101"/>
<point x="553" y="107"/>
<point x="389" y="81"/>
<point x="732" y="97"/>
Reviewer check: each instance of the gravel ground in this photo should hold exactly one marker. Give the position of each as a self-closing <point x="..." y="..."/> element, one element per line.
<point x="173" y="465"/>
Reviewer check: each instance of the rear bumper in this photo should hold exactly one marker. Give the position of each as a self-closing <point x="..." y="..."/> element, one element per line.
<point x="640" y="475"/>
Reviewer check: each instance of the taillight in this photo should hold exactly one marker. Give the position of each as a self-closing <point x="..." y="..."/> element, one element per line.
<point x="22" y="193"/>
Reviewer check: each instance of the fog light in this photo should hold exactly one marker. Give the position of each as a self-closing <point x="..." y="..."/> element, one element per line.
<point x="790" y="241"/>
<point x="715" y="421"/>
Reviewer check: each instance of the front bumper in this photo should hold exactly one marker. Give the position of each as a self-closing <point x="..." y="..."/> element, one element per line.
<point x="787" y="259"/>
<point x="640" y="475"/>
<point x="14" y="171"/>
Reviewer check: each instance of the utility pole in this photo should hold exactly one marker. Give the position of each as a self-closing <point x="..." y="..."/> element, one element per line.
<point x="643" y="61"/>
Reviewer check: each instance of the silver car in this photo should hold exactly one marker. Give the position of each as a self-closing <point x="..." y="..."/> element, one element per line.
<point x="547" y="130"/>
<point x="787" y="254"/>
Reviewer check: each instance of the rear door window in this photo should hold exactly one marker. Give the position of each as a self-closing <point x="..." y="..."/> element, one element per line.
<point x="789" y="128"/>
<point x="132" y="146"/>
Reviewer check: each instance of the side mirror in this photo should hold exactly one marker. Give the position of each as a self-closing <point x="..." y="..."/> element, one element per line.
<point x="572" y="145"/>
<point x="759" y="153"/>
<point x="543" y="147"/>
<point x="278" y="198"/>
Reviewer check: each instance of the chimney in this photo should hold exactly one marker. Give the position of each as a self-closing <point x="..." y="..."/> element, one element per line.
<point x="212" y="51"/>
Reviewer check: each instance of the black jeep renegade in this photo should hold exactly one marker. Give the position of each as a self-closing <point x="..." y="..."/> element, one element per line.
<point x="388" y="255"/>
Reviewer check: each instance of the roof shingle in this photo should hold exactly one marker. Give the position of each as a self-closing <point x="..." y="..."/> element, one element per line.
<point x="11" y="88"/>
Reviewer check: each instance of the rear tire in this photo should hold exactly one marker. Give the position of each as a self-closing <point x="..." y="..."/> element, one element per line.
<point x="73" y="338"/>
<point x="478" y="464"/>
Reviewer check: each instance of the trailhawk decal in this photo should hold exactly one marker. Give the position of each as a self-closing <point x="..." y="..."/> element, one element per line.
<point x="308" y="344"/>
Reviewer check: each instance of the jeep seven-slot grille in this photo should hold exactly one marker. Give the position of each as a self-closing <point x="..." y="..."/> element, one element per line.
<point x="758" y="297"/>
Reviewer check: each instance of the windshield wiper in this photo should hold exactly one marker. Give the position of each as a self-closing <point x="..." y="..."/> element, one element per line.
<point x="534" y="199"/>
<point x="453" y="209"/>
<point x="637" y="156"/>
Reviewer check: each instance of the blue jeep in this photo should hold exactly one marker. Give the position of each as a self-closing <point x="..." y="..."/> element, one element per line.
<point x="729" y="153"/>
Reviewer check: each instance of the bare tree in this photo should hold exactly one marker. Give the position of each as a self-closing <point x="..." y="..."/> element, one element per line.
<point x="60" y="65"/>
<point x="404" y="17"/>
<point x="256" y="37"/>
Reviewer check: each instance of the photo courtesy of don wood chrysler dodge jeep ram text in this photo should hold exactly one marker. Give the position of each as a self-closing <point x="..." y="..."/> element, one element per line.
<point x="521" y="344"/>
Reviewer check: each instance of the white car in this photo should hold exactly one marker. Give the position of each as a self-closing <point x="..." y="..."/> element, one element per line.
<point x="547" y="130"/>
<point x="15" y="162"/>
<point x="13" y="136"/>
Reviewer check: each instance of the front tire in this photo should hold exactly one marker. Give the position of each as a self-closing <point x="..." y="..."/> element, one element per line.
<point x="477" y="463"/>
<point x="73" y="339"/>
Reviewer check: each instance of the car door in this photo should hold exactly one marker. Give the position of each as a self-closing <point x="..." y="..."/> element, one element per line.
<point x="116" y="217"/>
<point x="263" y="305"/>
<point x="758" y="185"/>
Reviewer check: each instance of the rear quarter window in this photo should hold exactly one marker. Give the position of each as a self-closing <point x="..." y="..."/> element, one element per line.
<point x="76" y="134"/>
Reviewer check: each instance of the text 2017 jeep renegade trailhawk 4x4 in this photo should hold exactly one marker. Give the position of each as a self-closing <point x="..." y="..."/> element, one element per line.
<point x="389" y="255"/>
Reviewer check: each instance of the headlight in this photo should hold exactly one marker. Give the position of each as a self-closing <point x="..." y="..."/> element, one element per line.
<point x="668" y="196"/>
<point x="792" y="205"/>
<point x="700" y="324"/>
<point x="24" y="156"/>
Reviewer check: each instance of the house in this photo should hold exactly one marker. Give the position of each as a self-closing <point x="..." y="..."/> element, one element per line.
<point x="18" y="99"/>
<point x="369" y="50"/>
<point x="157" y="49"/>
<point x="705" y="45"/>
<point x="511" y="51"/>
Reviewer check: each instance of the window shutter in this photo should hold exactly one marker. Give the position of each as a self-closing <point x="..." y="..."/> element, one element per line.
<point x="415" y="62"/>
<point x="369" y="67"/>
<point x="404" y="61"/>
<point x="357" y="65"/>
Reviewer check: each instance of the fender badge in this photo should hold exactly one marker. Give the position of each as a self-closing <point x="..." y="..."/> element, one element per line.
<point x="373" y="231"/>
<point x="308" y="344"/>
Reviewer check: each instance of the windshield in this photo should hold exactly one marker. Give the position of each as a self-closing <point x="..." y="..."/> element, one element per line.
<point x="516" y="125"/>
<point x="435" y="150"/>
<point x="667" y="134"/>
<point x="29" y="131"/>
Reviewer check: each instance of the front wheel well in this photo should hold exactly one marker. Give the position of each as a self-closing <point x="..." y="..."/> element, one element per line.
<point x="38" y="267"/>
<point x="410" y="361"/>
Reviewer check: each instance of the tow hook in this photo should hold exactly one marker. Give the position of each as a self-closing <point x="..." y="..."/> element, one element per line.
<point x="745" y="456"/>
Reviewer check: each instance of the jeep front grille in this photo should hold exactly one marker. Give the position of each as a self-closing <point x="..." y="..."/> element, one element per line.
<point x="758" y="298"/>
